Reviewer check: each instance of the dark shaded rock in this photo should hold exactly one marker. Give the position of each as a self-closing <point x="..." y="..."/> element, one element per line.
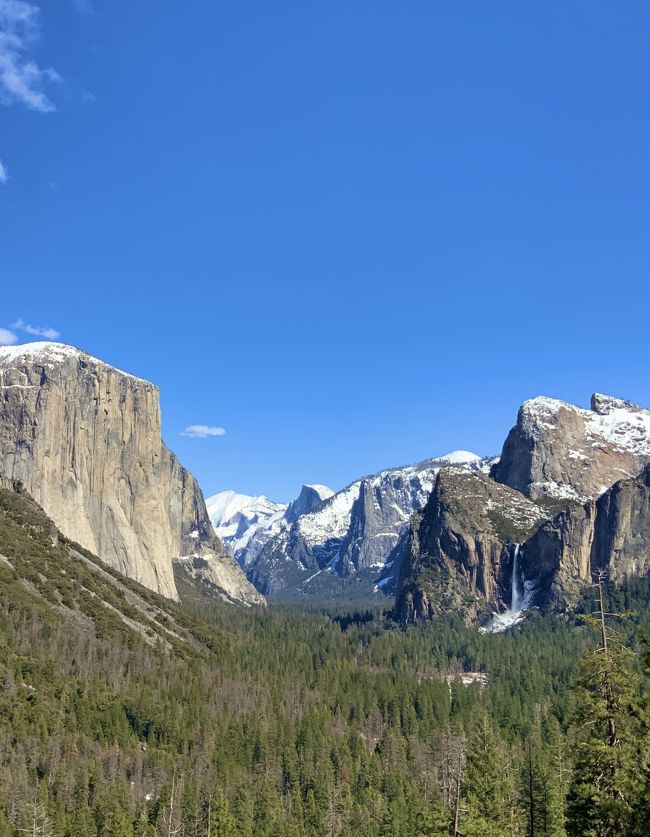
<point x="460" y="549"/>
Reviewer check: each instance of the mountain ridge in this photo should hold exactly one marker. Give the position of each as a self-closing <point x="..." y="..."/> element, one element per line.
<point x="353" y="532"/>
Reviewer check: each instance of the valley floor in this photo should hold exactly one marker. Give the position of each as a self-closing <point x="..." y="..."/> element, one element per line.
<point x="123" y="714"/>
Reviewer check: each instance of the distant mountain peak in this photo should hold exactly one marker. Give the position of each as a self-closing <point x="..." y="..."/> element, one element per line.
<point x="246" y="523"/>
<point x="460" y="457"/>
<point x="310" y="498"/>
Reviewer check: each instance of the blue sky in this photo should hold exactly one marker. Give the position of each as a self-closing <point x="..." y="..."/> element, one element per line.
<point x="353" y="233"/>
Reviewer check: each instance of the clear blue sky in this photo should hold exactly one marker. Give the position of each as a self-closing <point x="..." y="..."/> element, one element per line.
<point x="353" y="233"/>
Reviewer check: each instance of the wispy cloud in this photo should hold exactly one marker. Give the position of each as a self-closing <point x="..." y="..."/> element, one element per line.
<point x="202" y="431"/>
<point x="37" y="331"/>
<point x="21" y="79"/>
<point x="85" y="7"/>
<point x="7" y="338"/>
<point x="4" y="174"/>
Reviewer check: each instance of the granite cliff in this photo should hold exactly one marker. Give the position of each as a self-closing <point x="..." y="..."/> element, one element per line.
<point x="611" y="534"/>
<point x="84" y="440"/>
<point x="563" y="452"/>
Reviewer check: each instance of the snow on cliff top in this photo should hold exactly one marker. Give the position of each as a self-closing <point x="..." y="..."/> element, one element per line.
<point x="36" y="351"/>
<point x="613" y="421"/>
<point x="322" y="490"/>
<point x="49" y="354"/>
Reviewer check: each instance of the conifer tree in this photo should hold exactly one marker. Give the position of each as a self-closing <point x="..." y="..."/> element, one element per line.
<point x="487" y="808"/>
<point x="222" y="821"/>
<point x="81" y="822"/>
<point x="543" y="788"/>
<point x="35" y="820"/>
<point x="607" y="777"/>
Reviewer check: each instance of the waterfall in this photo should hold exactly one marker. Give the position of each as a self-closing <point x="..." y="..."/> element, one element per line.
<point x="516" y="587"/>
<point x="521" y="593"/>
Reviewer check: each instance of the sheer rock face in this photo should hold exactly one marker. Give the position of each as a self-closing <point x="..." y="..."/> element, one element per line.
<point x="461" y="546"/>
<point x="562" y="452"/>
<point x="84" y="440"/>
<point x="610" y="533"/>
<point x="311" y="497"/>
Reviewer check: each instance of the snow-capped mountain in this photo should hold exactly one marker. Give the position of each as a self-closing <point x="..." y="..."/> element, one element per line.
<point x="564" y="452"/>
<point x="232" y="514"/>
<point x="352" y="533"/>
<point x="245" y="523"/>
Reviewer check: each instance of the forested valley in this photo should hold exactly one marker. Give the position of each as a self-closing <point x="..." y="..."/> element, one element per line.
<point x="286" y="723"/>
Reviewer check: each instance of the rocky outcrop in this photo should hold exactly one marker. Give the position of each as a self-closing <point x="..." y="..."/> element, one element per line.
<point x="460" y="549"/>
<point x="223" y="577"/>
<point x="611" y="533"/>
<point x="84" y="439"/>
<point x="564" y="453"/>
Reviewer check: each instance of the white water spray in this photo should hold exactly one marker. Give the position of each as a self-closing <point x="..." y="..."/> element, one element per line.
<point x="518" y="601"/>
<point x="516" y="587"/>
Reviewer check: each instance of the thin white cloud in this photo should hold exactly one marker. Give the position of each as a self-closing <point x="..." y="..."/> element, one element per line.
<point x="4" y="174"/>
<point x="38" y="331"/>
<point x="202" y="431"/>
<point x="21" y="79"/>
<point x="85" y="7"/>
<point x="7" y="338"/>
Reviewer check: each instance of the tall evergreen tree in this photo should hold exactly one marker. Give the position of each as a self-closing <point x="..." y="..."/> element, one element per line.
<point x="543" y="788"/>
<point x="607" y="777"/>
<point x="487" y="795"/>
